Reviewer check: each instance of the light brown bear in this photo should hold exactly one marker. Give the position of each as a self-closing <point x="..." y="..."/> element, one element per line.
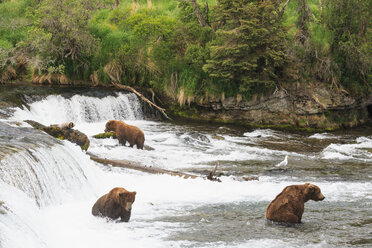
<point x="117" y="203"/>
<point x="125" y="132"/>
<point x="288" y="206"/>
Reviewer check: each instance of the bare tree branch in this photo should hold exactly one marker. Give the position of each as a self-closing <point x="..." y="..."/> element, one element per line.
<point x="128" y="88"/>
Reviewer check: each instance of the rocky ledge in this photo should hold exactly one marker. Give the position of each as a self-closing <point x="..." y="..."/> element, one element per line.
<point x="313" y="108"/>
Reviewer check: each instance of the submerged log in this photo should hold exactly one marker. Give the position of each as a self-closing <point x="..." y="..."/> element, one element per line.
<point x="140" y="167"/>
<point x="63" y="132"/>
<point x="154" y="170"/>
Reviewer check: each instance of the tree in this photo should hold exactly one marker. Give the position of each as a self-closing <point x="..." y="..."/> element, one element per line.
<point x="250" y="48"/>
<point x="350" y="23"/>
<point x="303" y="21"/>
<point x="59" y="34"/>
<point x="198" y="13"/>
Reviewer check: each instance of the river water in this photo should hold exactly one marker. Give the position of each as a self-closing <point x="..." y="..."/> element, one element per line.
<point x="48" y="186"/>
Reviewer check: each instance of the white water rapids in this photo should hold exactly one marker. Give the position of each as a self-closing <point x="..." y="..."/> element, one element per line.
<point x="47" y="191"/>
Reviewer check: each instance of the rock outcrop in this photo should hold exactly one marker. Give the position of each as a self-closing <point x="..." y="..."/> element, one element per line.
<point x="315" y="107"/>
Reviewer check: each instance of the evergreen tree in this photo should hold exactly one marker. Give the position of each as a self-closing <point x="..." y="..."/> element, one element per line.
<point x="350" y="23"/>
<point x="249" y="50"/>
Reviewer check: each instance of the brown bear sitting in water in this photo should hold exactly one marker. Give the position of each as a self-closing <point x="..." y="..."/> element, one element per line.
<point x="288" y="206"/>
<point x="117" y="203"/>
<point x="125" y="132"/>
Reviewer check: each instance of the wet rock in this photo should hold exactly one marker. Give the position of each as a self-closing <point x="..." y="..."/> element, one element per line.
<point x="69" y="134"/>
<point x="310" y="107"/>
<point x="250" y="178"/>
<point x="3" y="208"/>
<point x="217" y="137"/>
<point x="200" y="137"/>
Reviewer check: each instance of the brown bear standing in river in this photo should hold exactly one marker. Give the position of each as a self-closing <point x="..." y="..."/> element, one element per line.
<point x="288" y="206"/>
<point x="125" y="132"/>
<point x="117" y="203"/>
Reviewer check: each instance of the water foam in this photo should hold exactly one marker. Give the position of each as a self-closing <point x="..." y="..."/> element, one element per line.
<point x="357" y="151"/>
<point x="82" y="109"/>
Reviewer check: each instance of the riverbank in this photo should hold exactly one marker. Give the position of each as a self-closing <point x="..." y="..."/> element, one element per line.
<point x="315" y="108"/>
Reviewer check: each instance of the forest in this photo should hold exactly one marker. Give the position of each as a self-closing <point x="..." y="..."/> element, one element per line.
<point x="189" y="50"/>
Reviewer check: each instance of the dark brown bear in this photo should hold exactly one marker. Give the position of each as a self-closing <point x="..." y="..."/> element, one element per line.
<point x="125" y="132"/>
<point x="288" y="206"/>
<point x="117" y="203"/>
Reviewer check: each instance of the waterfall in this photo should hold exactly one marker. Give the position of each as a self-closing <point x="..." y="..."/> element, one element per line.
<point x="80" y="108"/>
<point x="44" y="173"/>
<point x="37" y="171"/>
<point x="42" y="167"/>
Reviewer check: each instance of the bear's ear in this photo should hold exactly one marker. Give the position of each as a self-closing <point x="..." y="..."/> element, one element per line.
<point x="134" y="192"/>
<point x="122" y="194"/>
<point x="311" y="186"/>
<point x="307" y="184"/>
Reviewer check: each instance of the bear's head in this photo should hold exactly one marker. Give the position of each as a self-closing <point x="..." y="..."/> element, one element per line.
<point x="110" y="126"/>
<point x="313" y="192"/>
<point x="126" y="199"/>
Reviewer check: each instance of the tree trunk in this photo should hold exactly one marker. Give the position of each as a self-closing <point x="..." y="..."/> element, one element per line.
<point x="117" y="3"/>
<point x="198" y="13"/>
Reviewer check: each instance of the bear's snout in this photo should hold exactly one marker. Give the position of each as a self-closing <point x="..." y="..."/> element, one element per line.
<point x="321" y="197"/>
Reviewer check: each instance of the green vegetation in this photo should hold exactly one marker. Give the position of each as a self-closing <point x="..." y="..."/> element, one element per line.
<point x="190" y="50"/>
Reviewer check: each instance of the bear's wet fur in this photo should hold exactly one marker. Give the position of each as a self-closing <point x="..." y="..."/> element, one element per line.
<point x="289" y="205"/>
<point x="117" y="203"/>
<point x="125" y="132"/>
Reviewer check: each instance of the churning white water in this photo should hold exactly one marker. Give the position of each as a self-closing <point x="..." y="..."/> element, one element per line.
<point x="48" y="189"/>
<point x="79" y="108"/>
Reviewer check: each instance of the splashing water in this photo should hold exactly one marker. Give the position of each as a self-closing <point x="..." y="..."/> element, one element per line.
<point x="47" y="187"/>
<point x="83" y="109"/>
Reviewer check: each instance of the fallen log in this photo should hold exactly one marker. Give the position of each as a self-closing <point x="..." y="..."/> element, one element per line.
<point x="63" y="132"/>
<point x="140" y="167"/>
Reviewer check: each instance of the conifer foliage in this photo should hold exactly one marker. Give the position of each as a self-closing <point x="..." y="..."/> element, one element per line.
<point x="249" y="50"/>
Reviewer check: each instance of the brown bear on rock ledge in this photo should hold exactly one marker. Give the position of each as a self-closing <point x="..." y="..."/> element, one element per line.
<point x="125" y="132"/>
<point x="288" y="206"/>
<point x="117" y="203"/>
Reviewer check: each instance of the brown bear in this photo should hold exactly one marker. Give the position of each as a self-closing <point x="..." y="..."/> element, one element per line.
<point x="117" y="203"/>
<point x="125" y="132"/>
<point x="288" y="206"/>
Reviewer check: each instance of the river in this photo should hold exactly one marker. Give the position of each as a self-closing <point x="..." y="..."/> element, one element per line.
<point x="48" y="186"/>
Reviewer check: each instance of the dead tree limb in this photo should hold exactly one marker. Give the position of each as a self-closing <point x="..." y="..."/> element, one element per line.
<point x="128" y="88"/>
<point x="212" y="173"/>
